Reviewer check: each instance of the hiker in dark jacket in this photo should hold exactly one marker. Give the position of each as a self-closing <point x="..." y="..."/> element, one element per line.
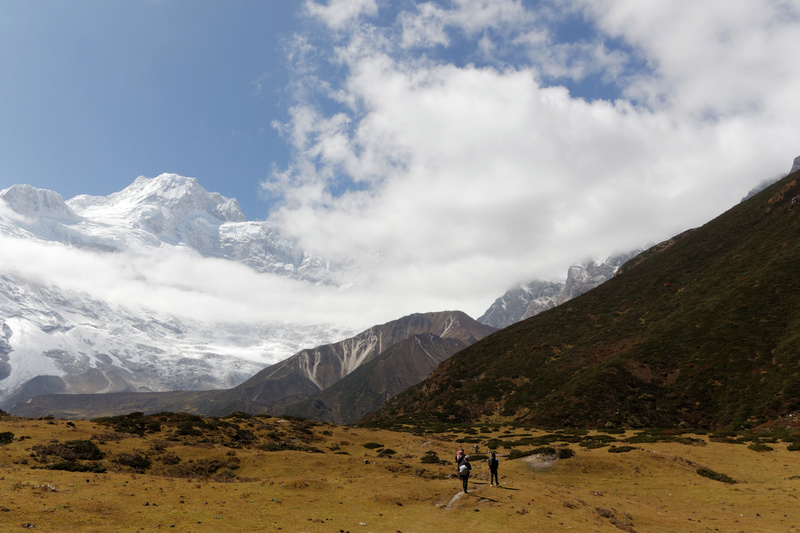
<point x="493" y="464"/>
<point x="463" y="471"/>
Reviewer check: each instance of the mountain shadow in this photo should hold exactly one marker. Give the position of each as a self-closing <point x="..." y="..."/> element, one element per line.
<point x="702" y="330"/>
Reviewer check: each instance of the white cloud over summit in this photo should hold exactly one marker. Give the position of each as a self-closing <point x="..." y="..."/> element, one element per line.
<point x="447" y="150"/>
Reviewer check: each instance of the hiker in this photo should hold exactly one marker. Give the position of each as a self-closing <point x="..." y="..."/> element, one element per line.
<point x="463" y="470"/>
<point x="493" y="464"/>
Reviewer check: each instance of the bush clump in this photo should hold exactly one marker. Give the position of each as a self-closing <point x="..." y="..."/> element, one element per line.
<point x="73" y="466"/>
<point x="760" y="447"/>
<point x="71" y="450"/>
<point x="134" y="423"/>
<point x="137" y="461"/>
<point x="716" y="476"/>
<point x="518" y="454"/>
<point x="431" y="458"/>
<point x="621" y="449"/>
<point x="372" y="445"/>
<point x="566" y="453"/>
<point x="6" y="437"/>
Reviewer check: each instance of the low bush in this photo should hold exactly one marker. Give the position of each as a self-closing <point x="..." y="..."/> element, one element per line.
<point x="372" y="445"/>
<point x="430" y="457"/>
<point x="6" y="437"/>
<point x="760" y="447"/>
<point x="134" y="423"/>
<point x="73" y="466"/>
<point x="716" y="476"/>
<point x="544" y="450"/>
<point x="517" y="454"/>
<point x="621" y="449"/>
<point x="566" y="453"/>
<point x="71" y="450"/>
<point x="137" y="461"/>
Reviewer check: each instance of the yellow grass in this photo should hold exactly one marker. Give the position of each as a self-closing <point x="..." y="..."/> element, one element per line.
<point x="652" y="488"/>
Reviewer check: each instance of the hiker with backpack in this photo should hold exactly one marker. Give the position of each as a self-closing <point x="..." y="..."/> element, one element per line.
<point x="493" y="464"/>
<point x="463" y="468"/>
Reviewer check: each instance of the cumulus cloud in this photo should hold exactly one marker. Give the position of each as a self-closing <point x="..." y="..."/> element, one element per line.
<point x="451" y="180"/>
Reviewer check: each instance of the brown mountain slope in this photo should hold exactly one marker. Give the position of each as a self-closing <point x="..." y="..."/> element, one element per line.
<point x="404" y="364"/>
<point x="703" y="330"/>
<point x="271" y="390"/>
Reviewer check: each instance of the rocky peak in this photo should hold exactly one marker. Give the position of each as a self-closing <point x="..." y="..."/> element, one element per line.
<point x="164" y="201"/>
<point x="795" y="165"/>
<point x="37" y="203"/>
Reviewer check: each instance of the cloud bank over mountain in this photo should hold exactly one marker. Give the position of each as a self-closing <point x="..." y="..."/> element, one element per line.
<point x="454" y="148"/>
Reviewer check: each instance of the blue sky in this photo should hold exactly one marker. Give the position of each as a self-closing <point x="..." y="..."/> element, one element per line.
<point x="449" y="148"/>
<point x="96" y="93"/>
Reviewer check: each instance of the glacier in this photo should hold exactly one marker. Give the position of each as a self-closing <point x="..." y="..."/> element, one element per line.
<point x="59" y="335"/>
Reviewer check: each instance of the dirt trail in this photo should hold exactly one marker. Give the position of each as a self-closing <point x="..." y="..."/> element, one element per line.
<point x="454" y="500"/>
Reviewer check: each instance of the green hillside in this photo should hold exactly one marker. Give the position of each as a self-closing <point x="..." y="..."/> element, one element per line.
<point x="702" y="330"/>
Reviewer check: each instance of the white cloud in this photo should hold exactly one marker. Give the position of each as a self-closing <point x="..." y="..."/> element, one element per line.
<point x="714" y="57"/>
<point x="465" y="179"/>
<point x="338" y="14"/>
<point x="176" y="282"/>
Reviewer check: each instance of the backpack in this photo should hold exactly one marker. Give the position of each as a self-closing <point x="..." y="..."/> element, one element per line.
<point x="463" y="469"/>
<point x="493" y="463"/>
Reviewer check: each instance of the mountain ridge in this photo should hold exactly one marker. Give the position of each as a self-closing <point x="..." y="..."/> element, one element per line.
<point x="276" y="387"/>
<point x="698" y="331"/>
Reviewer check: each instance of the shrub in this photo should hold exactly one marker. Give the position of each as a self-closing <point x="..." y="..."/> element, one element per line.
<point x="760" y="447"/>
<point x="794" y="447"/>
<point x="187" y="428"/>
<point x="372" y="445"/>
<point x="6" y="437"/>
<point x="566" y="453"/>
<point x="72" y="466"/>
<point x="244" y="436"/>
<point x="716" y="476"/>
<point x="621" y="449"/>
<point x="430" y="457"/>
<point x="387" y="453"/>
<point x="592" y="444"/>
<point x="137" y="461"/>
<point x="71" y="450"/>
<point x="135" y="423"/>
<point x="544" y="450"/>
<point x="493" y="444"/>
<point x="170" y="458"/>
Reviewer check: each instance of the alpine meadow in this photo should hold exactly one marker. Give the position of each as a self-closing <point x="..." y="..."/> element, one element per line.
<point x="430" y="266"/>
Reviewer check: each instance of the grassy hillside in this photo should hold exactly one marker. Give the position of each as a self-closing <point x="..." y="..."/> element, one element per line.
<point x="701" y="331"/>
<point x="240" y="473"/>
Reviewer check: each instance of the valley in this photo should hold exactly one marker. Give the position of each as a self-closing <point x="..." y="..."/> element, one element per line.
<point x="238" y="473"/>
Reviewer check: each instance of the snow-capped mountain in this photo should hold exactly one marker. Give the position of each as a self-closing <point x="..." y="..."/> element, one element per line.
<point x="168" y="210"/>
<point x="535" y="296"/>
<point x="56" y="337"/>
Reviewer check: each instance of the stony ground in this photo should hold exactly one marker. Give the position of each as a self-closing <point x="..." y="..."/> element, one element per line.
<point x="270" y="474"/>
